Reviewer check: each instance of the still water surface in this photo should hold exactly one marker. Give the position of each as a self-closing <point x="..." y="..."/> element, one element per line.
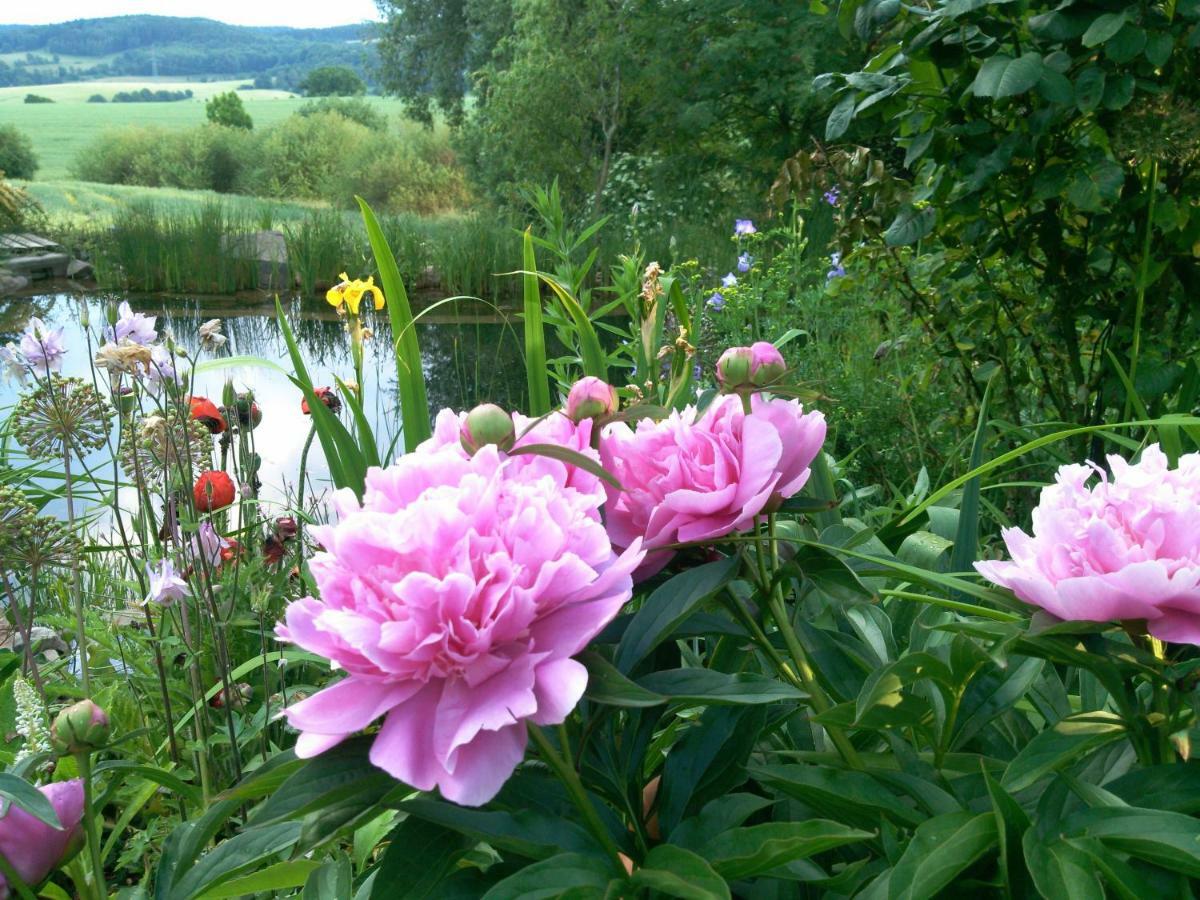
<point x="471" y="352"/>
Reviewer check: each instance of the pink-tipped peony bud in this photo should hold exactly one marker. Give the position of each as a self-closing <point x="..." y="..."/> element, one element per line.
<point x="734" y="369"/>
<point x="766" y="364"/>
<point x="487" y="424"/>
<point x="591" y="398"/>
<point x="743" y="369"/>
<point x="80" y="728"/>
<point x="32" y="847"/>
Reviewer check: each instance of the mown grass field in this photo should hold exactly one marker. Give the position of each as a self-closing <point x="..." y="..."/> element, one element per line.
<point x="61" y="130"/>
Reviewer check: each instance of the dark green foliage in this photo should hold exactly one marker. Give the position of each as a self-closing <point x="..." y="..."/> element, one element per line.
<point x="1053" y="155"/>
<point x="37" y="98"/>
<point x="649" y="102"/>
<point x="16" y="153"/>
<point x="97" y="98"/>
<point x="145" y="95"/>
<point x="227" y="109"/>
<point x="332" y="81"/>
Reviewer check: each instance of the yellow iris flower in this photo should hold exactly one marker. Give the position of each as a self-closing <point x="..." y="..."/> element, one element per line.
<point x="351" y="293"/>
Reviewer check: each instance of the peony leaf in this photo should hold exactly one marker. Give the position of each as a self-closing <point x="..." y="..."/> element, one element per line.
<point x="25" y="796"/>
<point x="572" y="457"/>
<point x="669" y="605"/>
<point x="582" y="875"/>
<point x="676" y="872"/>
<point x="746" y="852"/>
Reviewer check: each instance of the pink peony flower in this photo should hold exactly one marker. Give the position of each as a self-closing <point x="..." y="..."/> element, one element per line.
<point x="454" y="599"/>
<point x="552" y="429"/>
<point x="698" y="477"/>
<point x="1125" y="548"/>
<point x="31" y="846"/>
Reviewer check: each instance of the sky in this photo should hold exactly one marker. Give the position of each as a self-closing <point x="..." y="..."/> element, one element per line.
<point x="308" y="14"/>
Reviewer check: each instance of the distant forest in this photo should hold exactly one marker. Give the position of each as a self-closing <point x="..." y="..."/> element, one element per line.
<point x="148" y="45"/>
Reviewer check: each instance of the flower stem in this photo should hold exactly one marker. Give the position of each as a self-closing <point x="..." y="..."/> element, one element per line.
<point x="570" y="779"/>
<point x="84" y="762"/>
<point x="76" y="587"/>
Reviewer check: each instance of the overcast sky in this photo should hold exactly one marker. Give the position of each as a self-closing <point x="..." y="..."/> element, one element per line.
<point x="308" y="14"/>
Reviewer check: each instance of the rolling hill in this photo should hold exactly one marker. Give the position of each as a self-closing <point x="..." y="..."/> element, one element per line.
<point x="183" y="48"/>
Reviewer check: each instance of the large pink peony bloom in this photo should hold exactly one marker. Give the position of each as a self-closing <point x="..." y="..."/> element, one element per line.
<point x="698" y="477"/>
<point x="454" y="598"/>
<point x="1125" y="548"/>
<point x="31" y="846"/>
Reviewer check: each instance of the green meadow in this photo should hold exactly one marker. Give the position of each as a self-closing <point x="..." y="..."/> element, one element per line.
<point x="60" y="130"/>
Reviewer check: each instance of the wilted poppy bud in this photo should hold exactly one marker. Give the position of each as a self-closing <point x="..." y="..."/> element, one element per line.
<point x="80" y="728"/>
<point x="327" y="396"/>
<point x="237" y="695"/>
<point x="214" y="490"/>
<point x="487" y="424"/>
<point x="767" y="365"/>
<point x="246" y="412"/>
<point x="591" y="398"/>
<point x="286" y="528"/>
<point x="206" y="413"/>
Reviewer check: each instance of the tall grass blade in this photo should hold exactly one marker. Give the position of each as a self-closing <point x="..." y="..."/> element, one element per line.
<point x="966" y="536"/>
<point x="535" y="334"/>
<point x="346" y="465"/>
<point x="410" y="377"/>
<point x="591" y="354"/>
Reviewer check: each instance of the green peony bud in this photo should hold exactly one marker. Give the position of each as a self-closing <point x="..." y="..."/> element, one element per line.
<point x="487" y="424"/>
<point x="80" y="728"/>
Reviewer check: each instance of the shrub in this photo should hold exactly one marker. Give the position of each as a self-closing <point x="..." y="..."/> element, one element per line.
<point x="97" y="98"/>
<point x="299" y="156"/>
<point x="354" y="109"/>
<point x="208" y="157"/>
<point x="227" y="109"/>
<point x="17" y="159"/>
<point x="145" y="95"/>
<point x="332" y="81"/>
<point x="37" y="98"/>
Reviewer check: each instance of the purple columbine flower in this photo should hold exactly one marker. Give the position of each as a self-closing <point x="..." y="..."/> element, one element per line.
<point x="729" y="280"/>
<point x="138" y="327"/>
<point x="836" y="270"/>
<point x="166" y="586"/>
<point x="161" y="368"/>
<point x="745" y="261"/>
<point x="697" y="372"/>
<point x="832" y="196"/>
<point x="42" y="347"/>
<point x="743" y="227"/>
<point x="208" y="544"/>
<point x="716" y="301"/>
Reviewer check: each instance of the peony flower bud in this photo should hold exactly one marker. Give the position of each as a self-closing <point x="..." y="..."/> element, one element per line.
<point x="80" y="728"/>
<point x="766" y="365"/>
<point x="591" y="398"/>
<point x="32" y="847"/>
<point x="734" y="369"/>
<point x="748" y="368"/>
<point x="213" y="490"/>
<point x="487" y="424"/>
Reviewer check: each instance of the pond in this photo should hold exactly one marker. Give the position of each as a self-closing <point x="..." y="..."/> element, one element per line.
<point x="471" y="351"/>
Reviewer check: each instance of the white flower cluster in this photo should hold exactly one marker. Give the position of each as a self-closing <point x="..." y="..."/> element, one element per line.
<point x="30" y="720"/>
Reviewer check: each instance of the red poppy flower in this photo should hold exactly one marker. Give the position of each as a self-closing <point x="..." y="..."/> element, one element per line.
<point x="327" y="396"/>
<point x="214" y="490"/>
<point x="206" y="413"/>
